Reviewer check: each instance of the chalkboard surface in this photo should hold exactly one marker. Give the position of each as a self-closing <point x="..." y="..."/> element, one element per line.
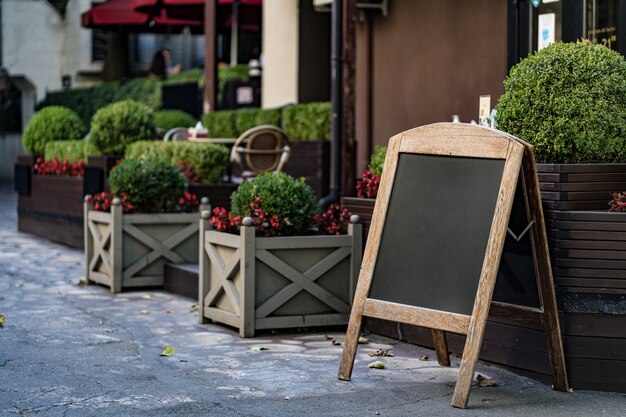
<point x="436" y="231"/>
<point x="517" y="280"/>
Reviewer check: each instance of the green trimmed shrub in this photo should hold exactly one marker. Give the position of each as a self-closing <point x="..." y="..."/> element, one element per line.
<point x="152" y="185"/>
<point x="170" y="119"/>
<point x="220" y="124"/>
<point x="251" y="117"/>
<point x="144" y="90"/>
<point x="207" y="160"/>
<point x="117" y="125"/>
<point x="70" y="150"/>
<point x="569" y="101"/>
<point x="378" y="160"/>
<point x="310" y="121"/>
<point x="51" y="124"/>
<point x="195" y="75"/>
<point x="280" y="195"/>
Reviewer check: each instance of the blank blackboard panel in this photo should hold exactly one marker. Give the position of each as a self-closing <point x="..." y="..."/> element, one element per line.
<point x="517" y="280"/>
<point x="436" y="231"/>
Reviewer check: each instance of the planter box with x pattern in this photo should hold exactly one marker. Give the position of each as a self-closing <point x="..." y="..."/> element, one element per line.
<point x="254" y="283"/>
<point x="130" y="250"/>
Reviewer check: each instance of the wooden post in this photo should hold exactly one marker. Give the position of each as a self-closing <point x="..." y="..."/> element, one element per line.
<point x="355" y="230"/>
<point x="247" y="270"/>
<point x="117" y="237"/>
<point x="210" y="66"/>
<point x="441" y="347"/>
<point x="87" y="207"/>
<point x="203" y="278"/>
<point x="348" y="143"/>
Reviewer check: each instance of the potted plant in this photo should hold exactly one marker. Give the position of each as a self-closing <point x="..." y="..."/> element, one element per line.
<point x="203" y="165"/>
<point x="50" y="179"/>
<point x="261" y="268"/>
<point x="148" y="219"/>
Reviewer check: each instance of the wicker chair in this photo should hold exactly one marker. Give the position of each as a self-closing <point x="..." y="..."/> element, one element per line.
<point x="176" y="134"/>
<point x="259" y="150"/>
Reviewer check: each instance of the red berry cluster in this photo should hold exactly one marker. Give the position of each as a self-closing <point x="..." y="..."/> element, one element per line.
<point x="618" y="204"/>
<point x="188" y="203"/>
<point x="189" y="173"/>
<point x="367" y="186"/>
<point x="57" y="167"/>
<point x="264" y="223"/>
<point x="333" y="221"/>
<point x="102" y="202"/>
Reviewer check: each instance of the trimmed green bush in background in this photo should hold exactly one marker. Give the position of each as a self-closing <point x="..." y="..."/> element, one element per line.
<point x="70" y="150"/>
<point x="310" y="121"/>
<point x="378" y="160"/>
<point x="117" y="125"/>
<point x="281" y="196"/>
<point x="220" y="124"/>
<point x="251" y="117"/>
<point x="144" y="90"/>
<point x="152" y="185"/>
<point x="84" y="101"/>
<point x="170" y="119"/>
<point x="569" y="101"/>
<point x="51" y="124"/>
<point x="208" y="161"/>
<point x="195" y="75"/>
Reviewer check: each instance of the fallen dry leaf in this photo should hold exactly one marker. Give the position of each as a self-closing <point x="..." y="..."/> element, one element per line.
<point x="100" y="322"/>
<point x="363" y="340"/>
<point x="381" y="352"/>
<point x="484" y="382"/>
<point x="168" y="311"/>
<point x="424" y="358"/>
<point x="259" y="348"/>
<point x="147" y="296"/>
<point x="108" y="330"/>
<point x="328" y="337"/>
<point x="376" y="413"/>
<point x="2" y="320"/>
<point x="145" y="311"/>
<point x="167" y="351"/>
<point x="377" y="365"/>
<point x="194" y="307"/>
<point x="336" y="342"/>
<point x="82" y="282"/>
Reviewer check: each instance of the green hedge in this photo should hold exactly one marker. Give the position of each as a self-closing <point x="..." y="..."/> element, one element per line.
<point x="377" y="160"/>
<point x="208" y="161"/>
<point x="252" y="117"/>
<point x="220" y="124"/>
<point x="51" y="124"/>
<point x="84" y="101"/>
<point x="195" y="75"/>
<point x="170" y="119"/>
<point x="143" y="90"/>
<point x="569" y="101"/>
<point x="119" y="124"/>
<point x="306" y="122"/>
<point x="71" y="150"/>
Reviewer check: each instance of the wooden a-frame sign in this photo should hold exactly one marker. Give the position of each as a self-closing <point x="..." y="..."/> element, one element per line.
<point x="437" y="238"/>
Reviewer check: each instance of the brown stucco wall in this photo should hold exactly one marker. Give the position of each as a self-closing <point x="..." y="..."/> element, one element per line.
<point x="429" y="60"/>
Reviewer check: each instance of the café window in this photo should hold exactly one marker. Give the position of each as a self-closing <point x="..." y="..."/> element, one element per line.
<point x="547" y="23"/>
<point x="601" y="22"/>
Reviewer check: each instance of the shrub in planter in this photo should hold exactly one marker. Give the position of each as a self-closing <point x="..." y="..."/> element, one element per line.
<point x="567" y="100"/>
<point x="152" y="185"/>
<point x="278" y="194"/>
<point x="220" y="124"/>
<point x="66" y="150"/>
<point x="115" y="126"/>
<point x="266" y="277"/>
<point x="170" y="119"/>
<point x="195" y="75"/>
<point x="143" y="90"/>
<point x="310" y="121"/>
<point x="51" y="124"/>
<point x="248" y="118"/>
<point x="202" y="163"/>
<point x="367" y="186"/>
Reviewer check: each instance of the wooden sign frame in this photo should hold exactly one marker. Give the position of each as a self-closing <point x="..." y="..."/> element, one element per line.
<point x="462" y="140"/>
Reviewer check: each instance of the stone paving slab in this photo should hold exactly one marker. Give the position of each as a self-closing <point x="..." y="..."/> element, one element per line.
<point x="68" y="350"/>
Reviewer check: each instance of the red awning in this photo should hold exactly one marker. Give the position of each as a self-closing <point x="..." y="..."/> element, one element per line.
<point x="121" y="14"/>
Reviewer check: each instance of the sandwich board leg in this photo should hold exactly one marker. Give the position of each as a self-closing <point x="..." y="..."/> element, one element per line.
<point x="441" y="347"/>
<point x="349" y="347"/>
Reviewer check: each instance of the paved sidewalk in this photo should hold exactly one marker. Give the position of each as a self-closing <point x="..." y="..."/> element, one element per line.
<point x="68" y="350"/>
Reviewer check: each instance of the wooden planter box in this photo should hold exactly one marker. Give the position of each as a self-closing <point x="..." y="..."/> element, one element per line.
<point x="130" y="250"/>
<point x="311" y="160"/>
<point x="218" y="194"/>
<point x="363" y="207"/>
<point x="254" y="283"/>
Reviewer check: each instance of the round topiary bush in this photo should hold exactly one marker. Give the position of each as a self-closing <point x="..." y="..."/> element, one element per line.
<point x="377" y="160"/>
<point x="152" y="185"/>
<point x="569" y="101"/>
<point x="279" y="195"/>
<point x="50" y="124"/>
<point x="170" y="119"/>
<point x="114" y="126"/>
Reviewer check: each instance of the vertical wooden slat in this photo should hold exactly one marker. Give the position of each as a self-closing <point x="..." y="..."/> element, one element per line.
<point x="203" y="259"/>
<point x="87" y="207"/>
<point x="117" y="223"/>
<point x="441" y="347"/>
<point x="355" y="230"/>
<point x="247" y="269"/>
<point x="488" y="275"/>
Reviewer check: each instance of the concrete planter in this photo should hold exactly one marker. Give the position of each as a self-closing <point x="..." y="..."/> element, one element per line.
<point x="254" y="283"/>
<point x="130" y="250"/>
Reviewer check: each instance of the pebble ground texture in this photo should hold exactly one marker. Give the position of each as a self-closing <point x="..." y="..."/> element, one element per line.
<point x="68" y="350"/>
